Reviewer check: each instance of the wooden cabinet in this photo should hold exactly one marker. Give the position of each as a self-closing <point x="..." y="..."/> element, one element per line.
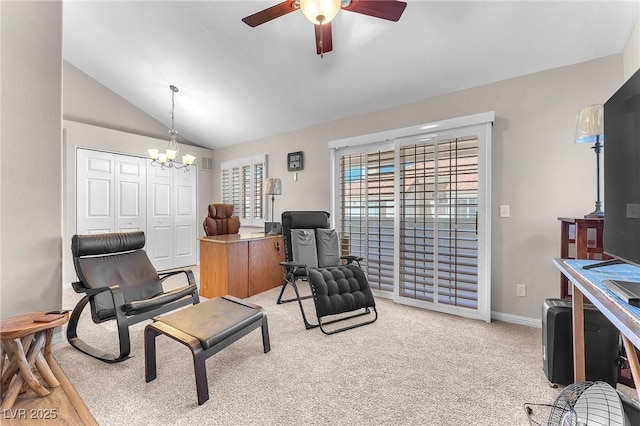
<point x="580" y="238"/>
<point x="240" y="265"/>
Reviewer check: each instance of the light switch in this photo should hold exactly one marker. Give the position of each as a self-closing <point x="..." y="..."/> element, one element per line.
<point x="504" y="210"/>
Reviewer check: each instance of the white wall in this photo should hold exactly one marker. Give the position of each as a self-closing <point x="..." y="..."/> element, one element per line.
<point x="537" y="168"/>
<point x="30" y="157"/>
<point x="631" y="53"/>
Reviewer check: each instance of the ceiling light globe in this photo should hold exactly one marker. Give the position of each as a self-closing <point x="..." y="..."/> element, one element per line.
<point x="320" y="11"/>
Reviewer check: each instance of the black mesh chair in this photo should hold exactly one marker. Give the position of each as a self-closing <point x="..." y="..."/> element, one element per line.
<point x="338" y="284"/>
<point x="121" y="284"/>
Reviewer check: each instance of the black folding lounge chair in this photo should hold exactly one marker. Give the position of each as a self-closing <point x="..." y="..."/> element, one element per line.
<point x="121" y="284"/>
<point x="338" y="284"/>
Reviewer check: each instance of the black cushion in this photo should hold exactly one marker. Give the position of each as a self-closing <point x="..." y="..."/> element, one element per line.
<point x="95" y="244"/>
<point x="340" y="289"/>
<point x="213" y="321"/>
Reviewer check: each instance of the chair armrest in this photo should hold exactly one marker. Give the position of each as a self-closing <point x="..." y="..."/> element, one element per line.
<point x="190" y="277"/>
<point x="159" y="300"/>
<point x="293" y="265"/>
<point x="352" y="258"/>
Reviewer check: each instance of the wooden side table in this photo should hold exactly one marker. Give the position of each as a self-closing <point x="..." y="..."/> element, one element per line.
<point x="584" y="236"/>
<point x="26" y="343"/>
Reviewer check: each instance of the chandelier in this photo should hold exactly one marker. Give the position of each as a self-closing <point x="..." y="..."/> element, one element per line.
<point x="168" y="158"/>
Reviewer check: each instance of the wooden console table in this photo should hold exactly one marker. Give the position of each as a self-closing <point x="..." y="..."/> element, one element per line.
<point x="584" y="236"/>
<point x="26" y="344"/>
<point x="240" y="265"/>
<point x="626" y="318"/>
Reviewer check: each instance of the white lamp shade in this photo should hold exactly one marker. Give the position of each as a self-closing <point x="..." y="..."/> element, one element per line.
<point x="590" y="124"/>
<point x="153" y="153"/>
<point x="171" y="154"/>
<point x="320" y="11"/>
<point x="273" y="186"/>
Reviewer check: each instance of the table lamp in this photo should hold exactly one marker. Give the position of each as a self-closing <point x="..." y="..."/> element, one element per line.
<point x="589" y="129"/>
<point x="273" y="187"/>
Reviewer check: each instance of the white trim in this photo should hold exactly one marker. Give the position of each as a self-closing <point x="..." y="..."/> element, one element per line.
<point x="433" y="127"/>
<point x="58" y="337"/>
<point x="516" y="319"/>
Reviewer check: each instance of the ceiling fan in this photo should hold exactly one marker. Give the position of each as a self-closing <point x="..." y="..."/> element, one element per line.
<point x="321" y="12"/>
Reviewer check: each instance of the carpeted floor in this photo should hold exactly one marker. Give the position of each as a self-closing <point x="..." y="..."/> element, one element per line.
<point x="411" y="367"/>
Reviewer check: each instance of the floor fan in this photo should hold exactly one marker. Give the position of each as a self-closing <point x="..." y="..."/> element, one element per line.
<point x="588" y="404"/>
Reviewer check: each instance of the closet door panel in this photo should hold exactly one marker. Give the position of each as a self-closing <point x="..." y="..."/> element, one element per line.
<point x="131" y="194"/>
<point x="95" y="178"/>
<point x="185" y="234"/>
<point x="160" y="222"/>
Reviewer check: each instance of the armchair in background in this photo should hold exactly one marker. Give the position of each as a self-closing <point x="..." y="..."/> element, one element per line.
<point x="220" y="220"/>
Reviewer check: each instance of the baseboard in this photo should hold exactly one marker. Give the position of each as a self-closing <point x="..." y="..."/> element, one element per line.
<point x="58" y="337"/>
<point x="498" y="316"/>
<point x="516" y="319"/>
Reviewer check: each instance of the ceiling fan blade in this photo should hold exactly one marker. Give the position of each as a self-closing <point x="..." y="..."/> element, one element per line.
<point x="390" y="10"/>
<point x="324" y="43"/>
<point x="268" y="14"/>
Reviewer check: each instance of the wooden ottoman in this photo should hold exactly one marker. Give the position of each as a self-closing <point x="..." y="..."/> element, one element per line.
<point x="205" y="328"/>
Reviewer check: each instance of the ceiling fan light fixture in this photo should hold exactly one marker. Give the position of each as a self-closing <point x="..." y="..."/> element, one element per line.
<point x="320" y="11"/>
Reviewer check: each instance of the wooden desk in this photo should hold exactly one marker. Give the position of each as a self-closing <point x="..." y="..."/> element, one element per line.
<point x="624" y="317"/>
<point x="26" y="344"/>
<point x="240" y="265"/>
<point x="580" y="238"/>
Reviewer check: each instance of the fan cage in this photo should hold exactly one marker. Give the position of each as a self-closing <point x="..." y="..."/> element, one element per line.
<point x="601" y="406"/>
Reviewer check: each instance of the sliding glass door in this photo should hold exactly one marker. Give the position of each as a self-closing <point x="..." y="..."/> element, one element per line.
<point x="416" y="208"/>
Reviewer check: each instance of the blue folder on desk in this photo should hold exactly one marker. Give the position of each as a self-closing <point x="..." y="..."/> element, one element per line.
<point x="625" y="290"/>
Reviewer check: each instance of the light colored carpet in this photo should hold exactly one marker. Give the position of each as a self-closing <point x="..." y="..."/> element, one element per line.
<point x="411" y="367"/>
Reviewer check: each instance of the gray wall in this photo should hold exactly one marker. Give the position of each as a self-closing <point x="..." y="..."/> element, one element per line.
<point x="537" y="168"/>
<point x="30" y="157"/>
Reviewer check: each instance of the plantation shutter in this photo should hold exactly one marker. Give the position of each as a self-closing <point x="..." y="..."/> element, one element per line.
<point x="367" y="194"/>
<point x="438" y="232"/>
<point x="258" y="193"/>
<point x="242" y="184"/>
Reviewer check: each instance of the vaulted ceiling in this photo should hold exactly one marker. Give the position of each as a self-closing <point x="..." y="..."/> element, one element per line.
<point x="239" y="83"/>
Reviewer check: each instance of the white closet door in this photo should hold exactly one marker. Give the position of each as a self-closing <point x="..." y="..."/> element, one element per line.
<point x="130" y="193"/>
<point x="95" y="179"/>
<point x="184" y="219"/>
<point x="160" y="221"/>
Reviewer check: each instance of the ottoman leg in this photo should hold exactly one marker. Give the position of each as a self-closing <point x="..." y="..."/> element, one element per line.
<point x="150" y="334"/>
<point x="202" y="384"/>
<point x="266" y="342"/>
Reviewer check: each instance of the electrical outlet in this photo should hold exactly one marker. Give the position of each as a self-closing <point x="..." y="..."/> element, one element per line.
<point x="521" y="290"/>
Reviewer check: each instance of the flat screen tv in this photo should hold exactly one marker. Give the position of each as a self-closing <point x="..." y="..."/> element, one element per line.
<point x="622" y="173"/>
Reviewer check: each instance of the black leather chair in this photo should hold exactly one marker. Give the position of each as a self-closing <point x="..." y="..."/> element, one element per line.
<point x="338" y="284"/>
<point x="121" y="284"/>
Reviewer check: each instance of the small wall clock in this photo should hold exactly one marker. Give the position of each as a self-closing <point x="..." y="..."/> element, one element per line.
<point x="294" y="161"/>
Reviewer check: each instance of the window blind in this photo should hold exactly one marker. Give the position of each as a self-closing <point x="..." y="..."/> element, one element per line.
<point x="242" y="184"/>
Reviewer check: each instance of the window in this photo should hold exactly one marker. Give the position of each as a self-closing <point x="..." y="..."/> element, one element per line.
<point x="242" y="184"/>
